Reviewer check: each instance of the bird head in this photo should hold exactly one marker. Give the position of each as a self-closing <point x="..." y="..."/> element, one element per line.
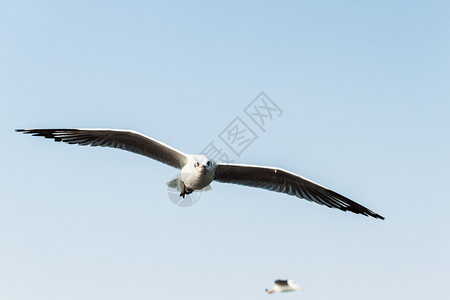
<point x="203" y="164"/>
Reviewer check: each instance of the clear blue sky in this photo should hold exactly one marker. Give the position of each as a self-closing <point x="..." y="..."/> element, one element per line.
<point x="365" y="93"/>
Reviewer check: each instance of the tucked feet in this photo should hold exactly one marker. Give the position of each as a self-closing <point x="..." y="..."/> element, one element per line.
<point x="185" y="191"/>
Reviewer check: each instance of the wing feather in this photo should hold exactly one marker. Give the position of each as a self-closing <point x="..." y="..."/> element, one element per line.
<point x="129" y="140"/>
<point x="283" y="181"/>
<point x="281" y="282"/>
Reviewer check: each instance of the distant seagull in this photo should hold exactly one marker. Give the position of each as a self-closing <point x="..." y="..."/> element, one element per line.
<point x="198" y="171"/>
<point x="282" y="286"/>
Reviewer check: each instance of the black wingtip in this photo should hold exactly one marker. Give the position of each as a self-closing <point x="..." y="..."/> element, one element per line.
<point x="373" y="215"/>
<point x="379" y="217"/>
<point x="33" y="132"/>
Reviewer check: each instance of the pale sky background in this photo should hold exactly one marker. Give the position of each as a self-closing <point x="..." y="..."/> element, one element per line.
<point x="365" y="93"/>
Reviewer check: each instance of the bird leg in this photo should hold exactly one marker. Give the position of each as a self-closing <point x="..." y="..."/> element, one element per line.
<point x="185" y="191"/>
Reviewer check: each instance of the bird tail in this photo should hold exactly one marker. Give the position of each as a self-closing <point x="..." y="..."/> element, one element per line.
<point x="174" y="183"/>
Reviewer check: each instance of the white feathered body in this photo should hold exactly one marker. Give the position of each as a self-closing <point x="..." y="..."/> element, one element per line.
<point x="194" y="176"/>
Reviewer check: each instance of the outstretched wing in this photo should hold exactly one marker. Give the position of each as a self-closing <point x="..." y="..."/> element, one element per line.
<point x="123" y="139"/>
<point x="282" y="181"/>
<point x="281" y="282"/>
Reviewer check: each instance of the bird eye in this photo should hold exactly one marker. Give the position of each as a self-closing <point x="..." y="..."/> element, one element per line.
<point x="208" y="163"/>
<point x="197" y="164"/>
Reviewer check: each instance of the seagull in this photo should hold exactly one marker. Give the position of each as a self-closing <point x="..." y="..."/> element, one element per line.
<point x="198" y="171"/>
<point x="282" y="286"/>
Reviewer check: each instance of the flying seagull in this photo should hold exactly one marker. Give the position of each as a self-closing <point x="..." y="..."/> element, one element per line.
<point x="198" y="171"/>
<point x="283" y="286"/>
